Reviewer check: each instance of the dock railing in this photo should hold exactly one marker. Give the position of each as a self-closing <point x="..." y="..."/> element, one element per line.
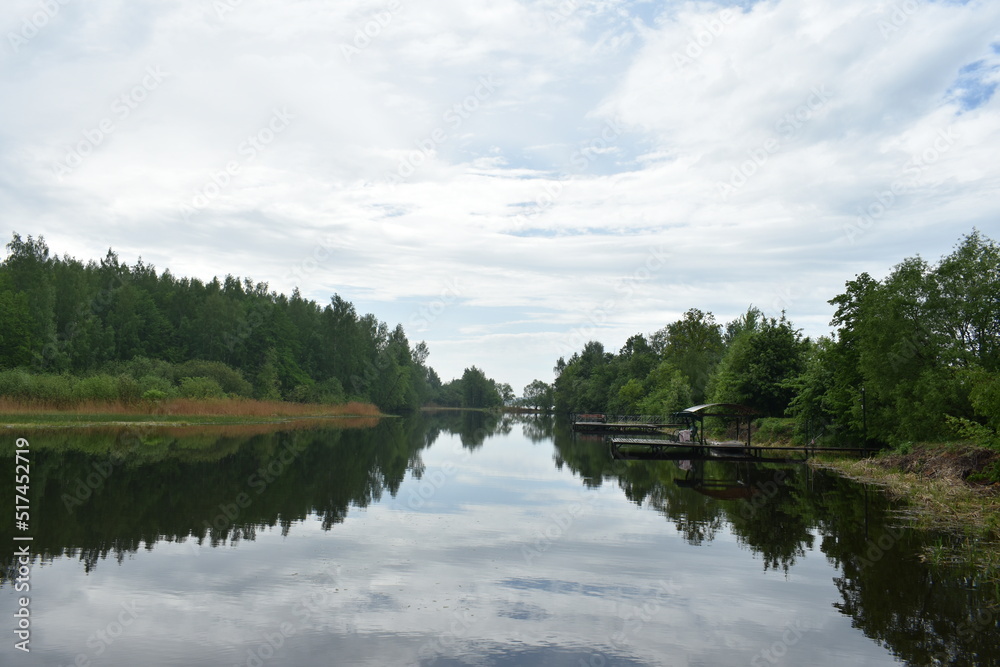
<point x="603" y="418"/>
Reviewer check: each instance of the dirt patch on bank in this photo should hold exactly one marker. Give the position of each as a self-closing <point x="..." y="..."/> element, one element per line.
<point x="966" y="463"/>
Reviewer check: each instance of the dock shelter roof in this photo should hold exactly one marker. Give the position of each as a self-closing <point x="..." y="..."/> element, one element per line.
<point x="728" y="410"/>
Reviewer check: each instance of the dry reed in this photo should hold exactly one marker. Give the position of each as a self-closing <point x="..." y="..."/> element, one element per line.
<point x="213" y="407"/>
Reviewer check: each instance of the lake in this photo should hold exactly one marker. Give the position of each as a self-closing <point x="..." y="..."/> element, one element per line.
<point x="464" y="539"/>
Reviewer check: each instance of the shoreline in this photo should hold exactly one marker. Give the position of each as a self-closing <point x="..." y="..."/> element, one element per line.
<point x="176" y="412"/>
<point x="932" y="482"/>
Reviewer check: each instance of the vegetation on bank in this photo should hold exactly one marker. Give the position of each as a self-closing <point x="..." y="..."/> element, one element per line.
<point x="948" y="489"/>
<point x="187" y="410"/>
<point x="104" y="331"/>
<point x="914" y="357"/>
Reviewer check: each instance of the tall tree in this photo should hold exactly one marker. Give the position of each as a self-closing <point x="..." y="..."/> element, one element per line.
<point x="694" y="346"/>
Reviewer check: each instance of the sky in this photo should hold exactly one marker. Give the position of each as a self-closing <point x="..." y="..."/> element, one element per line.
<point x="512" y="178"/>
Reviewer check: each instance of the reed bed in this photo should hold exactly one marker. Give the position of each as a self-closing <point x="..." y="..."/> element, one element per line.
<point x="181" y="407"/>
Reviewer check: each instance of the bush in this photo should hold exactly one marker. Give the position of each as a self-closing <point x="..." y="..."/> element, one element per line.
<point x="96" y="388"/>
<point x="154" y="395"/>
<point x="774" y="429"/>
<point x="129" y="391"/>
<point x="138" y="367"/>
<point x="25" y="386"/>
<point x="330" y="391"/>
<point x="989" y="475"/>
<point x="978" y="433"/>
<point x="15" y="384"/>
<point x="156" y="383"/>
<point x="229" y="379"/>
<point x="303" y="393"/>
<point x="201" y="387"/>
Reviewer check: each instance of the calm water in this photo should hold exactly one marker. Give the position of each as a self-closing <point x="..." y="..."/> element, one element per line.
<point x="460" y="540"/>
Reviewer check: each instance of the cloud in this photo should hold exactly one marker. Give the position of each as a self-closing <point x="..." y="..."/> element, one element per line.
<point x="535" y="152"/>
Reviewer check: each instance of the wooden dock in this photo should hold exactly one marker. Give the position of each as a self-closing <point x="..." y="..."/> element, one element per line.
<point x="603" y="423"/>
<point x="665" y="449"/>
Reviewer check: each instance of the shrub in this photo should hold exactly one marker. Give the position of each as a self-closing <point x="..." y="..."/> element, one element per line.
<point x="15" y="384"/>
<point x="96" y="388"/>
<point x="774" y="429"/>
<point x="330" y="391"/>
<point x="154" y="395"/>
<point x="51" y="387"/>
<point x="200" y="387"/>
<point x="156" y="383"/>
<point x="229" y="379"/>
<point x="129" y="390"/>
<point x="140" y="367"/>
<point x="303" y="393"/>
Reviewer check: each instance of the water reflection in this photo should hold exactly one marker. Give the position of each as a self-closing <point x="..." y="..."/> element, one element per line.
<point x="467" y="538"/>
<point x="925" y="615"/>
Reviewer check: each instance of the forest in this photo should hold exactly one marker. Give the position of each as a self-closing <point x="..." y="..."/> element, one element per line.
<point x="913" y="357"/>
<point x="106" y="331"/>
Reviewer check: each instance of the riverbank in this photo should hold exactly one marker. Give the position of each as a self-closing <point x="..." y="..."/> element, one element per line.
<point x="950" y="488"/>
<point x="176" y="412"/>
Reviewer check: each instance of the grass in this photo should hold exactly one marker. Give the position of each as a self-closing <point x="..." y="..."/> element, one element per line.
<point x="173" y="411"/>
<point x="931" y="480"/>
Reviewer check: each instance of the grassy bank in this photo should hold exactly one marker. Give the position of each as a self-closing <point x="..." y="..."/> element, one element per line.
<point x="949" y="488"/>
<point x="172" y="411"/>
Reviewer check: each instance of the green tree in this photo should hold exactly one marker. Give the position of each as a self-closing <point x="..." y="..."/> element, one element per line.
<point x="760" y="367"/>
<point x="16" y="337"/>
<point x="665" y="390"/>
<point x="29" y="269"/>
<point x="694" y="346"/>
<point x="538" y="394"/>
<point x="479" y="391"/>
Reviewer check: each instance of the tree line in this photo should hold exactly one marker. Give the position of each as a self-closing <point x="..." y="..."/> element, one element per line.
<point x="105" y="330"/>
<point x="913" y="357"/>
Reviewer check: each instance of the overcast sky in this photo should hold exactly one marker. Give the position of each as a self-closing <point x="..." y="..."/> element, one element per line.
<point x="507" y="178"/>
